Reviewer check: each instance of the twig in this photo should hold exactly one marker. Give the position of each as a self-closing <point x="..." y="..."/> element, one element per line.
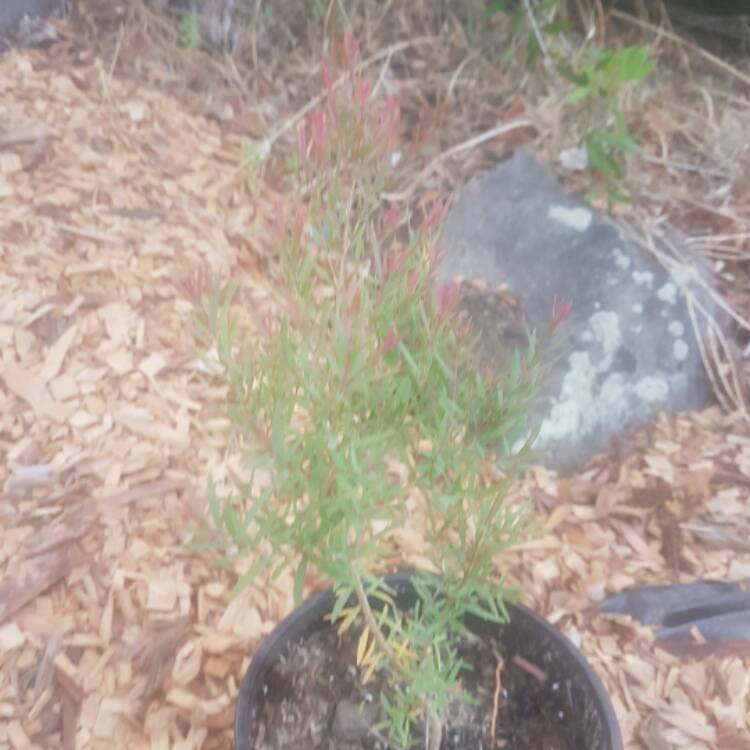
<point x="434" y="731"/>
<point x="538" y="674"/>
<point x="254" y="38"/>
<point x="683" y="166"/>
<point x="535" y="29"/>
<point x="87" y="234"/>
<point x="698" y="239"/>
<point x="710" y="291"/>
<point x="736" y="391"/>
<point x="27" y="133"/>
<point x="116" y="55"/>
<point x="728" y="391"/>
<point x="457" y="73"/>
<point x="705" y="358"/>
<point x="477" y="140"/>
<point x="495" y="698"/>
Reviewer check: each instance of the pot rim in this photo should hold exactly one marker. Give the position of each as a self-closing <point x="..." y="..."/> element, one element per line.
<point x="309" y="617"/>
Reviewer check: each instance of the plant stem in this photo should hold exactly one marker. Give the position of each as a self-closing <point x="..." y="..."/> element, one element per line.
<point x="536" y="30"/>
<point x="370" y="621"/>
<point x="434" y="731"/>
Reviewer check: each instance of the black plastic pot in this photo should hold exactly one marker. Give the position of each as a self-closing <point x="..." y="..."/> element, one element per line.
<point x="526" y="634"/>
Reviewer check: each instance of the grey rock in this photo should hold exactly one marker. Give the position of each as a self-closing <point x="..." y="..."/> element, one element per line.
<point x="630" y="351"/>
<point x="21" y="21"/>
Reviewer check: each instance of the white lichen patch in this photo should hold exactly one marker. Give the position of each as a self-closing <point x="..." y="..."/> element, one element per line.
<point x="680" y="350"/>
<point x="638" y="308"/>
<point x="643" y="277"/>
<point x="652" y="389"/>
<point x="621" y="260"/>
<point x="668" y="293"/>
<point x="676" y="328"/>
<point x="575" y="218"/>
<point x="605" y="327"/>
<point x="581" y="403"/>
<point x="592" y="392"/>
<point x="683" y="274"/>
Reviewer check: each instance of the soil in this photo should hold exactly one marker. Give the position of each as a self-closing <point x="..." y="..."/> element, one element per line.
<point x="313" y="700"/>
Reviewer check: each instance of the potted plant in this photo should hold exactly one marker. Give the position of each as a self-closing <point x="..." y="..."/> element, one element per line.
<point x="356" y="395"/>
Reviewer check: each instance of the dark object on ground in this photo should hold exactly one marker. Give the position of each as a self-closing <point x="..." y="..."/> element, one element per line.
<point x="628" y="349"/>
<point x="22" y="21"/>
<point x="718" y="612"/>
<point x="662" y="605"/>
<point x="712" y="7"/>
<point x="721" y="26"/>
<point x="541" y="669"/>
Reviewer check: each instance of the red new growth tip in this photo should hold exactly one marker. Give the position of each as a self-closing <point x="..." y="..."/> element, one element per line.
<point x="193" y="285"/>
<point x="560" y="310"/>
<point x="327" y="78"/>
<point x="447" y="298"/>
<point x="436" y="252"/>
<point x="350" y="47"/>
<point x="392" y="261"/>
<point x="434" y="217"/>
<point x="390" y="120"/>
<point x="412" y="281"/>
<point x="318" y="130"/>
<point x="302" y="141"/>
<point x="390" y="341"/>
<point x="361" y="93"/>
<point x="391" y="216"/>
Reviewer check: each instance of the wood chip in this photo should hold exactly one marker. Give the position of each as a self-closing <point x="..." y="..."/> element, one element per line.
<point x="11" y="637"/>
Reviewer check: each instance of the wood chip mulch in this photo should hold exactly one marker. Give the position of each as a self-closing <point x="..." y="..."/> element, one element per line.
<point x="114" y="632"/>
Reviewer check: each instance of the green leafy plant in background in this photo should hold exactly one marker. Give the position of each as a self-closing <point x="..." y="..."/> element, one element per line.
<point x="189" y="30"/>
<point x="598" y="77"/>
<point x="357" y="396"/>
<point x="598" y="81"/>
<point x="529" y="30"/>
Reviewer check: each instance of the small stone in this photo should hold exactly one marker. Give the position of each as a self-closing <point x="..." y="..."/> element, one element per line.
<point x="680" y="350"/>
<point x="351" y="723"/>
<point x="676" y="328"/>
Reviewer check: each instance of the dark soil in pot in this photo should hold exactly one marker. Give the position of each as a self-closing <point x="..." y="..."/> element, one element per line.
<point x="303" y="691"/>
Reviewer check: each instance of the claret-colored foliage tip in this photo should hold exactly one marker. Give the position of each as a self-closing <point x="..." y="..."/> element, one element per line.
<point x="357" y="396"/>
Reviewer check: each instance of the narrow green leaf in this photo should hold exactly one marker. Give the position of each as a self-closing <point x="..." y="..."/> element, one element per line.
<point x="214" y="508"/>
<point x="299" y="582"/>
<point x="248" y="577"/>
<point x="515" y="370"/>
<point x="234" y="526"/>
<point x="532" y="51"/>
<point x="496" y="6"/>
<point x="579" y="94"/>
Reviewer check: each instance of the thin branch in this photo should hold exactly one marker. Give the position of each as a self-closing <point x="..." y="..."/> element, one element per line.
<point x="535" y="29"/>
<point x="434" y="730"/>
<point x="683" y="166"/>
<point x="476" y="140"/>
<point x="495" y="698"/>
